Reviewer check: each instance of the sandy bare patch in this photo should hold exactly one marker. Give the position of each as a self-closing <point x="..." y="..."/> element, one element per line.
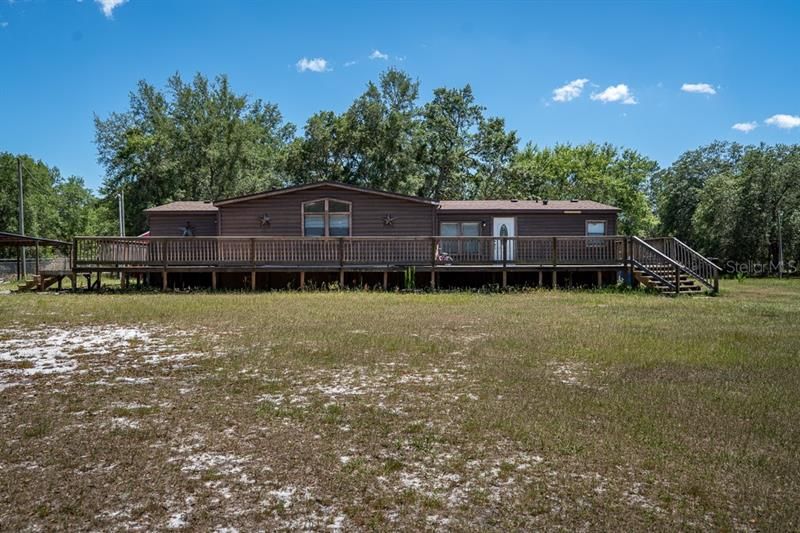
<point x="574" y="374"/>
<point x="29" y="352"/>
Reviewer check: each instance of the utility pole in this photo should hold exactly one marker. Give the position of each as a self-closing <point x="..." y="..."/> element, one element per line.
<point x="121" y="201"/>
<point x="21" y="216"/>
<point x="780" y="246"/>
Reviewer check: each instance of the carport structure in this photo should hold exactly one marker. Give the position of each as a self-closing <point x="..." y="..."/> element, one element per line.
<point x="56" y="268"/>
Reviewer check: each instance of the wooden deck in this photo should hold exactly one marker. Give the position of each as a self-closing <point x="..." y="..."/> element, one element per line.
<point x="433" y="254"/>
<point x="349" y="253"/>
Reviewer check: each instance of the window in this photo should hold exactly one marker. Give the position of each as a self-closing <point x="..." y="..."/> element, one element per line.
<point x="460" y="229"/>
<point x="595" y="228"/>
<point x="326" y="218"/>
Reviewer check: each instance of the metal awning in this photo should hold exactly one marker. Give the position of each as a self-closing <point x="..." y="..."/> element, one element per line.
<point x="15" y="239"/>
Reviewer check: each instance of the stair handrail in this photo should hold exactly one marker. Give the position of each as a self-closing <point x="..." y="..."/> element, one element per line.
<point x="712" y="281"/>
<point x="671" y="284"/>
<point x="700" y="256"/>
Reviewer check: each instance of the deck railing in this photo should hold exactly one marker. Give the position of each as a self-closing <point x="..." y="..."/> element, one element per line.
<point x="117" y="252"/>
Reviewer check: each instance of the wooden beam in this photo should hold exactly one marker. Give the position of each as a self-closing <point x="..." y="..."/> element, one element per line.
<point x="163" y="280"/>
<point x="341" y="278"/>
<point x="385" y="280"/>
<point x="214" y="280"/>
<point x="505" y="279"/>
<point x="555" y="279"/>
<point x="599" y="278"/>
<point x="253" y="281"/>
<point x="36" y="259"/>
<point x="541" y="278"/>
<point x="302" y="280"/>
<point x="433" y="279"/>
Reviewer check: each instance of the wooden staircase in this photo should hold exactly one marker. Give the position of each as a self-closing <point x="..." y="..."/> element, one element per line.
<point x="669" y="266"/>
<point x="657" y="276"/>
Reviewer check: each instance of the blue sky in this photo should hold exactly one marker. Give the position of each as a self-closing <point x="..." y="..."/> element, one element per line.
<point x="61" y="61"/>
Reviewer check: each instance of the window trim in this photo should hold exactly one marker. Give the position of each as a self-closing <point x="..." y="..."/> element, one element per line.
<point x="462" y="244"/>
<point x="326" y="212"/>
<point x="598" y="242"/>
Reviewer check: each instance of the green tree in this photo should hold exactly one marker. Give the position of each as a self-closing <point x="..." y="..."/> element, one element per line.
<point x="677" y="189"/>
<point x="198" y="140"/>
<point x="603" y="173"/>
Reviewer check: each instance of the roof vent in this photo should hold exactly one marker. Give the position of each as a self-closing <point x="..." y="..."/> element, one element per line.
<point x="544" y="202"/>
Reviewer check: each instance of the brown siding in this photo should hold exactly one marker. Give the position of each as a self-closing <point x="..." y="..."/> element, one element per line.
<point x="170" y="224"/>
<point x="368" y="212"/>
<point x="536" y="224"/>
<point x="562" y="224"/>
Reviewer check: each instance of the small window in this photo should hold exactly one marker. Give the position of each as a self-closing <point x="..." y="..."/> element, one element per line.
<point x="595" y="228"/>
<point x="326" y="218"/>
<point x="460" y="229"/>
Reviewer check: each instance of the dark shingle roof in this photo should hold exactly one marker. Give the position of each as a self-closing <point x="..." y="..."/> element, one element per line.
<point x="184" y="207"/>
<point x="524" y="205"/>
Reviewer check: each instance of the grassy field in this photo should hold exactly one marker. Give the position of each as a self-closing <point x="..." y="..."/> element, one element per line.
<point x="374" y="411"/>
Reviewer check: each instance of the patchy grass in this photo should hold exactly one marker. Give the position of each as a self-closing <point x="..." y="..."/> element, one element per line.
<point x="366" y="411"/>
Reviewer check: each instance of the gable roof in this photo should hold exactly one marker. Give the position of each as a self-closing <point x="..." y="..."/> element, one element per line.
<point x="184" y="206"/>
<point x="319" y="184"/>
<point x="524" y="205"/>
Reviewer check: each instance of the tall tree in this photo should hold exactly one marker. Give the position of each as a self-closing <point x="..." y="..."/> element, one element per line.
<point x="603" y="173"/>
<point x="54" y="207"/>
<point x="198" y="140"/>
<point x="676" y="190"/>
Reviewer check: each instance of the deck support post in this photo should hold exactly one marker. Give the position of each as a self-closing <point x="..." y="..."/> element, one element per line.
<point x="541" y="278"/>
<point x="213" y="280"/>
<point x="433" y="262"/>
<point x="505" y="279"/>
<point x="599" y="278"/>
<point x="555" y="279"/>
<point x="302" y="280"/>
<point x="19" y="264"/>
<point x="163" y="280"/>
<point x="36" y="259"/>
<point x="677" y="280"/>
<point x="253" y="280"/>
<point x="716" y="281"/>
<point x="386" y="280"/>
<point x="341" y="278"/>
<point x="569" y="279"/>
<point x="59" y="282"/>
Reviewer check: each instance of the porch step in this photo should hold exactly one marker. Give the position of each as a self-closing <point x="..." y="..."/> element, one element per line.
<point x="686" y="284"/>
<point x="39" y="282"/>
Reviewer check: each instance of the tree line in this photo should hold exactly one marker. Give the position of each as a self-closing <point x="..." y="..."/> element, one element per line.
<point x="199" y="139"/>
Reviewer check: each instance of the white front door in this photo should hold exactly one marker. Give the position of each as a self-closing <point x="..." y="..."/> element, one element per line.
<point x="504" y="227"/>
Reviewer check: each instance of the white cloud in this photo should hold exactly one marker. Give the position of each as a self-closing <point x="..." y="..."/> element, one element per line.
<point x="377" y="54"/>
<point x="350" y="63"/>
<point x="317" y="64"/>
<point x="108" y="6"/>
<point x="699" y="88"/>
<point x="783" y="121"/>
<point x="616" y="93"/>
<point x="4" y="24"/>
<point x="745" y="127"/>
<point x="569" y="91"/>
